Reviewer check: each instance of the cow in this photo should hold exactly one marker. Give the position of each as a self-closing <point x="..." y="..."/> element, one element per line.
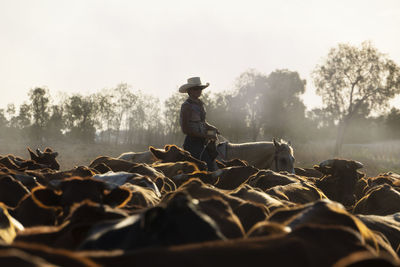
<point x="248" y="193"/>
<point x="306" y="246"/>
<point x="76" y="189"/>
<point x="172" y="153"/>
<point x="170" y="169"/>
<point x="340" y="179"/>
<point x="327" y="212"/>
<point x="379" y="200"/>
<point x="300" y="192"/>
<point x="178" y="221"/>
<point x="266" y="179"/>
<point x="388" y="225"/>
<point x="11" y="191"/>
<point x="114" y="164"/>
<point x="46" y="158"/>
<point x="75" y="227"/>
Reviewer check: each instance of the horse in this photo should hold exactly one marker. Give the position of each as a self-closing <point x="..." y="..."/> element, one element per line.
<point x="275" y="155"/>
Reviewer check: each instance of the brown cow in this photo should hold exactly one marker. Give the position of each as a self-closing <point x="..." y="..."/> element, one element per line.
<point x="300" y="193"/>
<point x="170" y="169"/>
<point x="306" y="246"/>
<point x="379" y="200"/>
<point x="326" y="212"/>
<point x="76" y="189"/>
<point x="114" y="164"/>
<point x="74" y="229"/>
<point x="11" y="190"/>
<point x="172" y="153"/>
<point x="249" y="193"/>
<point x="339" y="180"/>
<point x="265" y="179"/>
<point x="46" y="158"/>
<point x="220" y="211"/>
<point x="232" y="177"/>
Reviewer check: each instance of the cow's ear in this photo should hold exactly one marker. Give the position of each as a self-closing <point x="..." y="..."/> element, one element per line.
<point x="32" y="154"/>
<point x="174" y="148"/>
<point x="276" y="143"/>
<point x="46" y="198"/>
<point x="157" y="153"/>
<point x="118" y="197"/>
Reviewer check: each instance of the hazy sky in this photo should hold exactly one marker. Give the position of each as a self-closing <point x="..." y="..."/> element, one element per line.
<point x="86" y="45"/>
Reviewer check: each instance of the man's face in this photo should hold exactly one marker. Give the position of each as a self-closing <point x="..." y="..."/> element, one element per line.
<point x="195" y="92"/>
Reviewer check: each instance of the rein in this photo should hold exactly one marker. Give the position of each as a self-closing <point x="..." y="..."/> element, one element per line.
<point x="276" y="160"/>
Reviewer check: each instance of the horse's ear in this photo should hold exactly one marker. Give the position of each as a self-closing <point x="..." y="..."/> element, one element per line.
<point x="276" y="143"/>
<point x="289" y="143"/>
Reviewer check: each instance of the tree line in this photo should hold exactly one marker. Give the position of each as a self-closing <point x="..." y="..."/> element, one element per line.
<point x="355" y="84"/>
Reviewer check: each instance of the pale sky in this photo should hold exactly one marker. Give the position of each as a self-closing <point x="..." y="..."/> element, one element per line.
<point x="87" y="45"/>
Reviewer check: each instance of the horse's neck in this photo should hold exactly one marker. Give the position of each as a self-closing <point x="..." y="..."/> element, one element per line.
<point x="256" y="153"/>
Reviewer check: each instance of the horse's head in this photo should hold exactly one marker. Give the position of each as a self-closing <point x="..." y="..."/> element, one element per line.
<point x="283" y="158"/>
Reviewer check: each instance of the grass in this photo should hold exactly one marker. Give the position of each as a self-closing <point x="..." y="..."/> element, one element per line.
<point x="377" y="157"/>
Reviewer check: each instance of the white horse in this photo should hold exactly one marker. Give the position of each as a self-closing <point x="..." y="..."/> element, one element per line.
<point x="275" y="155"/>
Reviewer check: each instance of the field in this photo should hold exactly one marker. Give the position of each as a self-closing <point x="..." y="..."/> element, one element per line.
<point x="377" y="157"/>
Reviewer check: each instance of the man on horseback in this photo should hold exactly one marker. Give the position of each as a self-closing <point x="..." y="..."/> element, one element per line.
<point x="199" y="133"/>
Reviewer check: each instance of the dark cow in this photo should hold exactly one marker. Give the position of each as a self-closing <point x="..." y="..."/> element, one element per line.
<point x="326" y="212"/>
<point x="114" y="164"/>
<point x="379" y="200"/>
<point x="31" y="213"/>
<point x="266" y="179"/>
<point x="249" y="193"/>
<point x="233" y="177"/>
<point x="300" y="193"/>
<point x="172" y="153"/>
<point x="75" y="227"/>
<point x="388" y="225"/>
<point x="46" y="158"/>
<point x="220" y="211"/>
<point x="170" y="169"/>
<point x="339" y="180"/>
<point x="306" y="246"/>
<point x="74" y="190"/>
<point x="11" y="191"/>
<point x="180" y="221"/>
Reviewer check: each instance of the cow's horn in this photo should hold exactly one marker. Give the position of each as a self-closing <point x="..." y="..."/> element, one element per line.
<point x="359" y="165"/>
<point x="325" y="163"/>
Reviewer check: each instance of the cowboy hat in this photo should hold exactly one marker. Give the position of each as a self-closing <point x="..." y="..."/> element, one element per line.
<point x="192" y="82"/>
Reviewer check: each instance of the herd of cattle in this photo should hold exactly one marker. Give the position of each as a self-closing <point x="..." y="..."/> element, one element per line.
<point x="170" y="211"/>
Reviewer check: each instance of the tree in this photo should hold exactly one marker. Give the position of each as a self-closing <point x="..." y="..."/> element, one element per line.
<point x="40" y="111"/>
<point x="393" y="123"/>
<point x="250" y="87"/>
<point x="351" y="77"/>
<point x="283" y="110"/>
<point x="80" y="116"/>
<point x="172" y="115"/>
<point x="56" y="123"/>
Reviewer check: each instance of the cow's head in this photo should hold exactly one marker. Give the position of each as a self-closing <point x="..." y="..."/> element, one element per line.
<point x="46" y="158"/>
